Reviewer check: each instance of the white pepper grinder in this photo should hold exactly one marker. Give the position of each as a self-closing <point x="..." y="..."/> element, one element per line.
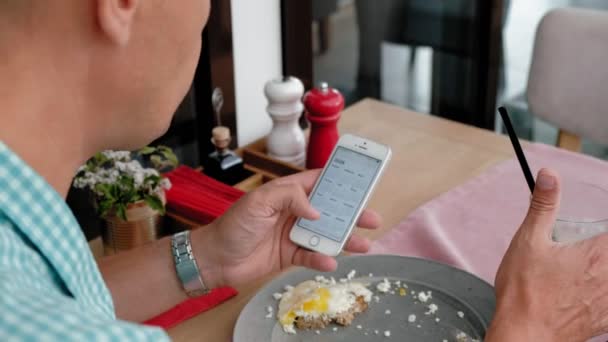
<point x="286" y="141"/>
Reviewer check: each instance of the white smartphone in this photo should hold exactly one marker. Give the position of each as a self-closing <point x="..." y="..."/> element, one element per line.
<point x="341" y="193"/>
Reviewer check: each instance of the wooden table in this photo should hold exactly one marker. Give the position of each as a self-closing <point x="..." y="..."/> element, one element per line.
<point x="430" y="156"/>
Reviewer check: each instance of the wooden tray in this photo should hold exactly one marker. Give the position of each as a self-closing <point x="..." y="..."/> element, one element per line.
<point x="257" y="161"/>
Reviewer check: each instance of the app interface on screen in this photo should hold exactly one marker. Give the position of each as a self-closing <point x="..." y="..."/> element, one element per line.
<point x="341" y="192"/>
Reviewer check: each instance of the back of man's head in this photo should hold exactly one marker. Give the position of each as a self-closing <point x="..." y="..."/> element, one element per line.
<point x="115" y="69"/>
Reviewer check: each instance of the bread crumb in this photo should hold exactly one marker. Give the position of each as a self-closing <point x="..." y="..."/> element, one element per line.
<point x="317" y="332"/>
<point x="419" y="326"/>
<point x="277" y="296"/>
<point x="424" y="297"/>
<point x="371" y="275"/>
<point x="335" y="329"/>
<point x="411" y="318"/>
<point x="376" y="332"/>
<point x="359" y="327"/>
<point x="269" y="312"/>
<point x="462" y="337"/>
<point x="432" y="309"/>
<point x="402" y="292"/>
<point x="460" y="314"/>
<point x="387" y="312"/>
<point x="351" y="274"/>
<point x="437" y="319"/>
<point x="384" y="286"/>
<point x="387" y="333"/>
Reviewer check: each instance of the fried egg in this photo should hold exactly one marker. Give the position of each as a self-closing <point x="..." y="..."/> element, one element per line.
<point x="320" y="300"/>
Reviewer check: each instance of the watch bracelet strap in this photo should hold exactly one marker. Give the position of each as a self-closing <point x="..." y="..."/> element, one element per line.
<point x="185" y="265"/>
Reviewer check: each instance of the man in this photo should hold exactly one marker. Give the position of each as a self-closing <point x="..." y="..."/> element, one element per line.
<point x="82" y="76"/>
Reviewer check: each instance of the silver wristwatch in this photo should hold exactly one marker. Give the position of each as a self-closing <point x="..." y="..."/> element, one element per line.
<point x="185" y="265"/>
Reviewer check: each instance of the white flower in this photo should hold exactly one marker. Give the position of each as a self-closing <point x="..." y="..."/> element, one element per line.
<point x="117" y="155"/>
<point x="138" y="178"/>
<point x="121" y="166"/>
<point x="165" y="183"/>
<point x="150" y="172"/>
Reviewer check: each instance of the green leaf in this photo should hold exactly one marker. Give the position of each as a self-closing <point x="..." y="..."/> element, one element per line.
<point x="152" y="180"/>
<point x="90" y="165"/>
<point x="157" y="161"/>
<point x="99" y="159"/>
<point x="121" y="211"/>
<point x="155" y="203"/>
<point x="115" y="191"/>
<point x="171" y="157"/>
<point x="147" y="150"/>
<point x="104" y="207"/>
<point x="106" y="190"/>
<point x="127" y="182"/>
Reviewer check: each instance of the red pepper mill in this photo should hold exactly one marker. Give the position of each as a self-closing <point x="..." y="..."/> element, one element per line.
<point x="323" y="109"/>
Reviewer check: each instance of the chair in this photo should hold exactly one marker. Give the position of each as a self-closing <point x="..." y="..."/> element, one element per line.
<point x="568" y="84"/>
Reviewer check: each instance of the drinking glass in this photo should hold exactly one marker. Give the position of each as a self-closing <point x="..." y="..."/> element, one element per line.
<point x="583" y="212"/>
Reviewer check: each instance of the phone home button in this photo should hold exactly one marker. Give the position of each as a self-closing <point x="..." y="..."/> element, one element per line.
<point x="314" y="241"/>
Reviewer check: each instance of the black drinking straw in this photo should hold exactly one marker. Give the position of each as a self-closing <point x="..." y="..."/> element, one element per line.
<point x="517" y="147"/>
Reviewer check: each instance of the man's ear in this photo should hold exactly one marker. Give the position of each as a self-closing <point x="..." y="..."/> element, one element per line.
<point x="115" y="18"/>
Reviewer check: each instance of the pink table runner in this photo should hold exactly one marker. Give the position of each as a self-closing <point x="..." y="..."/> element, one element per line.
<point x="470" y="227"/>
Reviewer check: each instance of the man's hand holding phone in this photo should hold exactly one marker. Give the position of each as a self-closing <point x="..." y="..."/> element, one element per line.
<point x="252" y="238"/>
<point x="340" y="194"/>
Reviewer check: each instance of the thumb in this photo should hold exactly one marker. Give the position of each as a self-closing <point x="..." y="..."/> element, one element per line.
<point x="293" y="198"/>
<point x="544" y="206"/>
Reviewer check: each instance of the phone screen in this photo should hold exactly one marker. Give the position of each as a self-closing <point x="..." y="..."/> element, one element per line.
<point x="340" y="192"/>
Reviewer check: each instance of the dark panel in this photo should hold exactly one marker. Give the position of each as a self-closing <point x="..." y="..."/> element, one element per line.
<point x="182" y="135"/>
<point x="467" y="50"/>
<point x="296" y="20"/>
<point x="466" y="65"/>
<point x="221" y="58"/>
<point x="216" y="69"/>
<point x="190" y="131"/>
<point x="202" y="99"/>
<point x="490" y="60"/>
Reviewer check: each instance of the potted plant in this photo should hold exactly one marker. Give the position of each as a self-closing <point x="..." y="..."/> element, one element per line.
<point x="127" y="194"/>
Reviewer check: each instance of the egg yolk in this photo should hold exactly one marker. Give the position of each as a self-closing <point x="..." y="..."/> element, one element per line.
<point x="319" y="304"/>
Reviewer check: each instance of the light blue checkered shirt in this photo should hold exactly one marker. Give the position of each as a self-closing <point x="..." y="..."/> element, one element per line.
<point x="50" y="286"/>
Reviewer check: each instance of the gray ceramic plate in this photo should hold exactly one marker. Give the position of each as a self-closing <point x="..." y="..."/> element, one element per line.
<point x="453" y="291"/>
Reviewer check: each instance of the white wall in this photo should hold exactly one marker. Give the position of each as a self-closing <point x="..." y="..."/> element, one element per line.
<point x="257" y="58"/>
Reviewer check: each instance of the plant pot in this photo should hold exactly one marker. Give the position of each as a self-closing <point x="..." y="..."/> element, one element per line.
<point x="143" y="225"/>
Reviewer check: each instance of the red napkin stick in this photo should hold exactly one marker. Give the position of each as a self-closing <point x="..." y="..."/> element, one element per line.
<point x="191" y="307"/>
